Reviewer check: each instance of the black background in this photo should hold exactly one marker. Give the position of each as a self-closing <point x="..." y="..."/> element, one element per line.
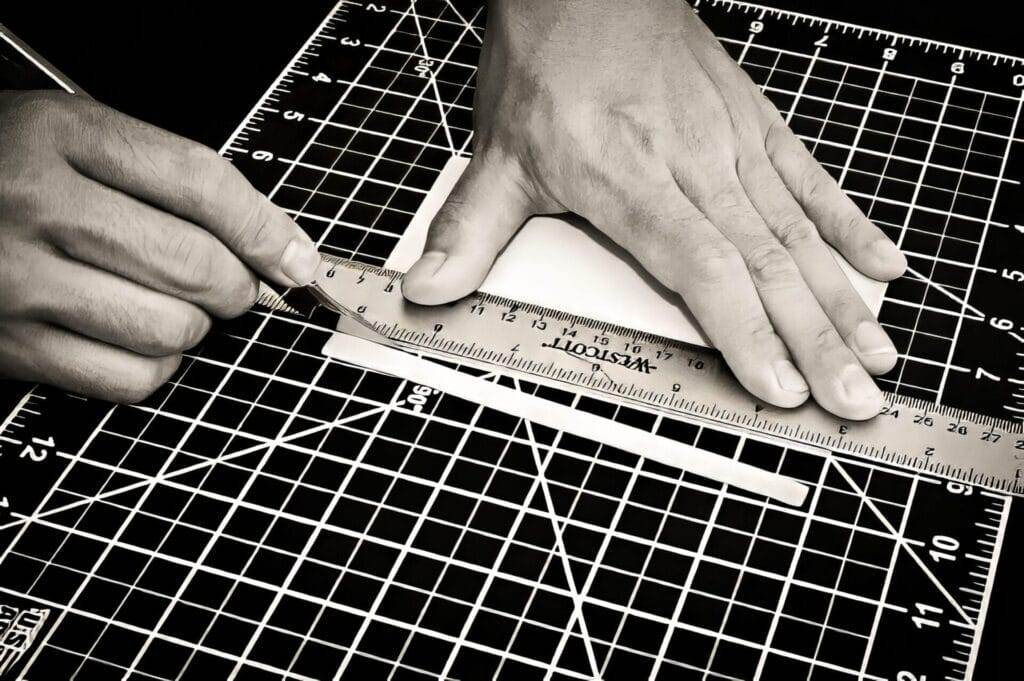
<point x="198" y="67"/>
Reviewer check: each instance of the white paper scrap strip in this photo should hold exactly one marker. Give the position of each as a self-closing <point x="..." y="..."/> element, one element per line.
<point x="566" y="419"/>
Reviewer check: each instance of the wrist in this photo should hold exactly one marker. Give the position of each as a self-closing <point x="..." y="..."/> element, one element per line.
<point x="535" y="14"/>
<point x="529" y="23"/>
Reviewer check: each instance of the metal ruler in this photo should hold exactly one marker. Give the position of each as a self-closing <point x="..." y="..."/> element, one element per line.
<point x="569" y="350"/>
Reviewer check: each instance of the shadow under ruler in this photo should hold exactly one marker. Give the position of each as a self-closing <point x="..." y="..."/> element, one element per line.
<point x="275" y="514"/>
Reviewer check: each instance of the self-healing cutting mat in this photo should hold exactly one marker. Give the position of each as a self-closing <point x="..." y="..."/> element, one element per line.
<point x="273" y="513"/>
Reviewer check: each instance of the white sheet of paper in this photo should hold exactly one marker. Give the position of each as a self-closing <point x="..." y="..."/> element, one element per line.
<point x="568" y="265"/>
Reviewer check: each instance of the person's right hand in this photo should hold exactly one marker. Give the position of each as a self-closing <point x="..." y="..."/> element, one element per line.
<point x="118" y="240"/>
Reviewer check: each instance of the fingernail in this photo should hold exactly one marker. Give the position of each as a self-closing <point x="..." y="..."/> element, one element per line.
<point x="428" y="264"/>
<point x="418" y="281"/>
<point x="859" y="387"/>
<point x="300" y="261"/>
<point x="888" y="252"/>
<point x="789" y="378"/>
<point x="869" y="339"/>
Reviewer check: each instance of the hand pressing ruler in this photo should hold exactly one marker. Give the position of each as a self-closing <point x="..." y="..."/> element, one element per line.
<point x="559" y="348"/>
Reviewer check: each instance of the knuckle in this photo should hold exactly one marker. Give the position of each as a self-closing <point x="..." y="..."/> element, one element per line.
<point x="687" y="222"/>
<point x="161" y="330"/>
<point x="727" y="201"/>
<point x="716" y="264"/>
<point x="238" y="295"/>
<point x="202" y="175"/>
<point x="715" y="137"/>
<point x="690" y="144"/>
<point x="795" y="233"/>
<point x="770" y="263"/>
<point x="255" y="230"/>
<point x="760" y="329"/>
<point x="197" y="259"/>
<point x="776" y="126"/>
<point x="150" y="330"/>
<point x="211" y="277"/>
<point x="642" y="136"/>
<point x="132" y="392"/>
<point x="146" y="378"/>
<point x="826" y="338"/>
<point x="845" y="304"/>
<point x="847" y="227"/>
<point x="190" y="330"/>
<point x="816" y="183"/>
<point x="589" y="116"/>
<point x="649" y="210"/>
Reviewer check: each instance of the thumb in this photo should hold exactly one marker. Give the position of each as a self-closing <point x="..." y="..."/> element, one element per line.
<point x="485" y="209"/>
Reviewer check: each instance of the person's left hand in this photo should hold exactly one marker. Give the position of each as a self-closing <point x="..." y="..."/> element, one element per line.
<point x="634" y="117"/>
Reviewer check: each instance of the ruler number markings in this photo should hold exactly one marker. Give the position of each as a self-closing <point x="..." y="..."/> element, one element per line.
<point x="603" y="358"/>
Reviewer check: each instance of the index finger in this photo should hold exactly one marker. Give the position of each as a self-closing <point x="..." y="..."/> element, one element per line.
<point x="193" y="182"/>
